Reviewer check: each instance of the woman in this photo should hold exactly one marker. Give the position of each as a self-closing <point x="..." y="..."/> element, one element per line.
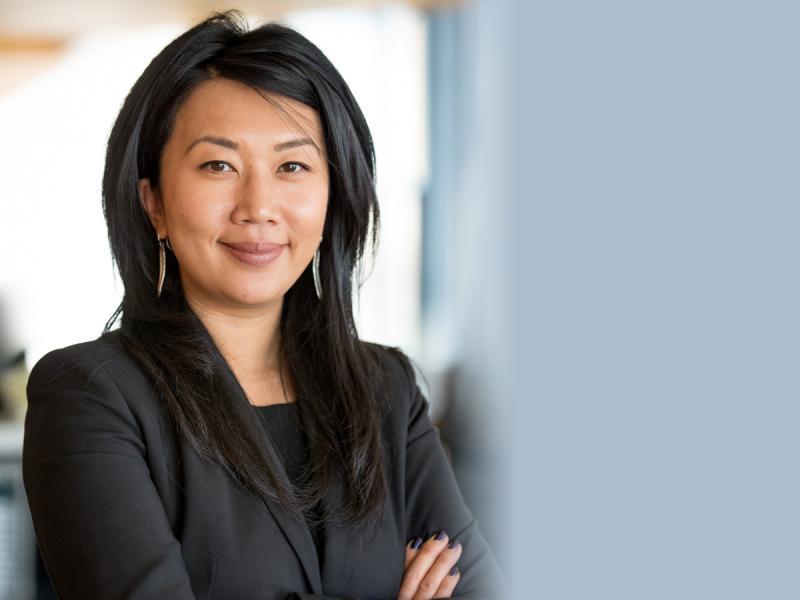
<point x="233" y="438"/>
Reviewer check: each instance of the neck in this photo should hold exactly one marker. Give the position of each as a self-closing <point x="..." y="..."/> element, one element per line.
<point x="249" y="341"/>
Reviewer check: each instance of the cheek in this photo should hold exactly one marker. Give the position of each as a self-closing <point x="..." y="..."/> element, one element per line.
<point x="194" y="214"/>
<point x="308" y="210"/>
<point x="213" y="206"/>
<point x="307" y="226"/>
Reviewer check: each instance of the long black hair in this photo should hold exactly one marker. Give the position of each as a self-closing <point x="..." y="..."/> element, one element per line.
<point x="335" y="374"/>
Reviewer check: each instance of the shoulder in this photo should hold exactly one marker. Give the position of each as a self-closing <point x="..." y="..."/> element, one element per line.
<point x="102" y="360"/>
<point x="103" y="349"/>
<point x="398" y="370"/>
<point x="405" y="402"/>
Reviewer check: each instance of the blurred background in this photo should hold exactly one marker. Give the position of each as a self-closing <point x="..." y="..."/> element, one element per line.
<point x="589" y="248"/>
<point x="64" y="72"/>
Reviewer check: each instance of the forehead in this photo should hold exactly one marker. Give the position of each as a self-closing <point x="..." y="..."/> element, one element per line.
<point x="224" y="107"/>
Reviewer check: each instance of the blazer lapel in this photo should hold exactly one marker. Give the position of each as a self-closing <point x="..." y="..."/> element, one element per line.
<point x="296" y="533"/>
<point x="340" y="550"/>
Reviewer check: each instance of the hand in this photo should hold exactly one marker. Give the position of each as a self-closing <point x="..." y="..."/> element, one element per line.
<point x="430" y="571"/>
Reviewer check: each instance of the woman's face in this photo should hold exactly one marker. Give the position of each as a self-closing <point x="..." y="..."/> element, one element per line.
<point x="243" y="195"/>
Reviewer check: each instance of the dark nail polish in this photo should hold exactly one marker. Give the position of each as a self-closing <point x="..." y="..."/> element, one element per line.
<point x="416" y="543"/>
<point x="454" y="570"/>
<point x="441" y="535"/>
<point x="452" y="544"/>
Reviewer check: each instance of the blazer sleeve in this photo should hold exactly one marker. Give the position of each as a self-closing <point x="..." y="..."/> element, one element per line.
<point x="434" y="502"/>
<point x="99" y="522"/>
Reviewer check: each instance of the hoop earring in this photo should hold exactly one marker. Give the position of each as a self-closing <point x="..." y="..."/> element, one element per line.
<point x="315" y="270"/>
<point x="162" y="266"/>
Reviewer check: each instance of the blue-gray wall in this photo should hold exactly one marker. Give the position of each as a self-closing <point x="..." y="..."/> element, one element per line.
<point x="625" y="251"/>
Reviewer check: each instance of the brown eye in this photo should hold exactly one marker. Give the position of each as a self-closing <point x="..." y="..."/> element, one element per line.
<point x="217" y="166"/>
<point x="293" y="167"/>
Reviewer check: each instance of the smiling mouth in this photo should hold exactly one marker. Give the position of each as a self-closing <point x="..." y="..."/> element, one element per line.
<point x="255" y="254"/>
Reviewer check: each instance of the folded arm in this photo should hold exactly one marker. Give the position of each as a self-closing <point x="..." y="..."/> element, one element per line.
<point x="434" y="502"/>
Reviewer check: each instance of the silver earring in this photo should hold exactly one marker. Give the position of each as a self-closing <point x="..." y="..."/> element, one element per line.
<point x="162" y="265"/>
<point x="315" y="270"/>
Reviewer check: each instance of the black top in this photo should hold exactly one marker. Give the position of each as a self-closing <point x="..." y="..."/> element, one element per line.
<point x="282" y="423"/>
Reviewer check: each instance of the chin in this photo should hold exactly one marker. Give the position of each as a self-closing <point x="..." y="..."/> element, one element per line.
<point x="255" y="297"/>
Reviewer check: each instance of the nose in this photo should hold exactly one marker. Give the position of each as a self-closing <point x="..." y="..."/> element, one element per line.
<point x="257" y="198"/>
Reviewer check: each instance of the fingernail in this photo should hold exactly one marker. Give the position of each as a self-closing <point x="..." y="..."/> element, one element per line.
<point x="454" y="571"/>
<point x="441" y="535"/>
<point x="416" y="543"/>
<point x="452" y="544"/>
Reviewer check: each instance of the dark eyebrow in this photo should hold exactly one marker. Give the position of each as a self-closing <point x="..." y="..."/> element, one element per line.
<point x="226" y="143"/>
<point x="295" y="144"/>
<point x="213" y="139"/>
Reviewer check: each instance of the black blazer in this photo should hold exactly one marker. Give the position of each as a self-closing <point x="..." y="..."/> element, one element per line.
<point x="123" y="507"/>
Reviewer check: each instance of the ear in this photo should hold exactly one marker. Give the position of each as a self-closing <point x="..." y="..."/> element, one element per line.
<point x="153" y="206"/>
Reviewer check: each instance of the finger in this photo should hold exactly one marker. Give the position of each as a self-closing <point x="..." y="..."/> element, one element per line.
<point x="448" y="585"/>
<point x="425" y="557"/>
<point x="439" y="571"/>
<point x="411" y="549"/>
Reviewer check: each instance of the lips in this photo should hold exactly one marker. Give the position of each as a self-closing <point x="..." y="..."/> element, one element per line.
<point x="254" y="253"/>
<point x="254" y="247"/>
